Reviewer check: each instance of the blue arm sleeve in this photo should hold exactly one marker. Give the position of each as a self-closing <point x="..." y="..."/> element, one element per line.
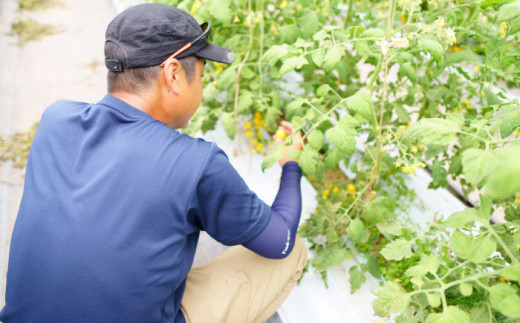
<point x="277" y="239"/>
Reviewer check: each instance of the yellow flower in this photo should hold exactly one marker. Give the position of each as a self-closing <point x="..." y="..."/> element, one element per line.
<point x="503" y="28"/>
<point x="409" y="170"/>
<point x="325" y="194"/>
<point x="249" y="134"/>
<point x="351" y="188"/>
<point x="457" y="48"/>
<point x="259" y="146"/>
<point x="440" y="22"/>
<point x="247" y="125"/>
<point x="414" y="149"/>
<point x="410" y="36"/>
<point x="517" y="198"/>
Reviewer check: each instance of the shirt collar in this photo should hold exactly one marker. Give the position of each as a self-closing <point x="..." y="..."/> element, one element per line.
<point x="123" y="107"/>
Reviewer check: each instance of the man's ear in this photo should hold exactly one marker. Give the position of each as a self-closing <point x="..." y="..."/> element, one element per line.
<point x="172" y="73"/>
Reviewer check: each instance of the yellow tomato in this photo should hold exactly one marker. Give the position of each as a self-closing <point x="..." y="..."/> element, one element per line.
<point x="280" y="134"/>
<point x="351" y="188"/>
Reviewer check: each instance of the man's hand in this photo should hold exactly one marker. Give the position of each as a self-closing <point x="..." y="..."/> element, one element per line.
<point x="286" y="129"/>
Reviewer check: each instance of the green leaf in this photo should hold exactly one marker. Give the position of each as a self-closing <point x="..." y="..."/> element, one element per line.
<point x="481" y="314"/>
<point x="228" y="121"/>
<point x="409" y="71"/>
<point x="343" y="138"/>
<point x="210" y="91"/>
<point x="511" y="272"/>
<point x="318" y="57"/>
<point x="356" y="231"/>
<point x="292" y="63"/>
<point x="275" y="53"/>
<point x="433" y="131"/>
<point x="290" y="33"/>
<point x="434" y="300"/>
<point x="308" y="160"/>
<point x="465" y="56"/>
<point x="247" y="73"/>
<point x="430" y="262"/>
<point x="390" y="299"/>
<point x="439" y="175"/>
<point x="483" y="247"/>
<point x="397" y="250"/>
<point x="504" y="299"/>
<point x="276" y="154"/>
<point x="245" y="100"/>
<point x="271" y="118"/>
<point x="298" y="123"/>
<point x="362" y="48"/>
<point x="323" y="90"/>
<point x="466" y="289"/>
<point x="309" y="23"/>
<point x="373" y="33"/>
<point x="360" y="103"/>
<point x="505" y="182"/>
<point x="451" y="314"/>
<point x="477" y="164"/>
<point x="437" y="93"/>
<point x="333" y="56"/>
<point x="402" y="113"/>
<point x="316" y="139"/>
<point x="227" y="78"/>
<point x="510" y="120"/>
<point x="320" y="35"/>
<point x="416" y="271"/>
<point x="330" y="257"/>
<point x="461" y="244"/>
<point x="356" y="278"/>
<point x="458" y="118"/>
<point x="221" y="10"/>
<point x="508" y="11"/>
<point x="433" y="47"/>
<point x="458" y="220"/>
<point x="476" y="250"/>
<point x="372" y="265"/>
<point x="390" y="227"/>
<point x="332" y="158"/>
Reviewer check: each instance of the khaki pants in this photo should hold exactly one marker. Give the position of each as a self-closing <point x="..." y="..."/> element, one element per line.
<point x="239" y="286"/>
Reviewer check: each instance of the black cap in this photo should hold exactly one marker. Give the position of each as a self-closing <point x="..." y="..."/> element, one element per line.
<point x="149" y="33"/>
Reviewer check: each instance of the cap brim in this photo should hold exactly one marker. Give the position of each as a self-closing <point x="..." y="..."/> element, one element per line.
<point x="216" y="53"/>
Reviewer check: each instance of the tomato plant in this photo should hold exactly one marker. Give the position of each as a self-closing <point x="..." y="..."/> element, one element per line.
<point x="379" y="89"/>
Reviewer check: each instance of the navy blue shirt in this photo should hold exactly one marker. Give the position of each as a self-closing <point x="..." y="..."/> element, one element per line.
<point x="110" y="216"/>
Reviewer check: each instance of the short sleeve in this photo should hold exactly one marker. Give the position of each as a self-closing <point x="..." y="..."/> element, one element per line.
<point x="223" y="205"/>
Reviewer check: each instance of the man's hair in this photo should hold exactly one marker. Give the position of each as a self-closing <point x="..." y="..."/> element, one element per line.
<point x="139" y="79"/>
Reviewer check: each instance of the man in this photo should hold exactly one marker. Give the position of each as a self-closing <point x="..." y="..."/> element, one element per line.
<point x="115" y="198"/>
